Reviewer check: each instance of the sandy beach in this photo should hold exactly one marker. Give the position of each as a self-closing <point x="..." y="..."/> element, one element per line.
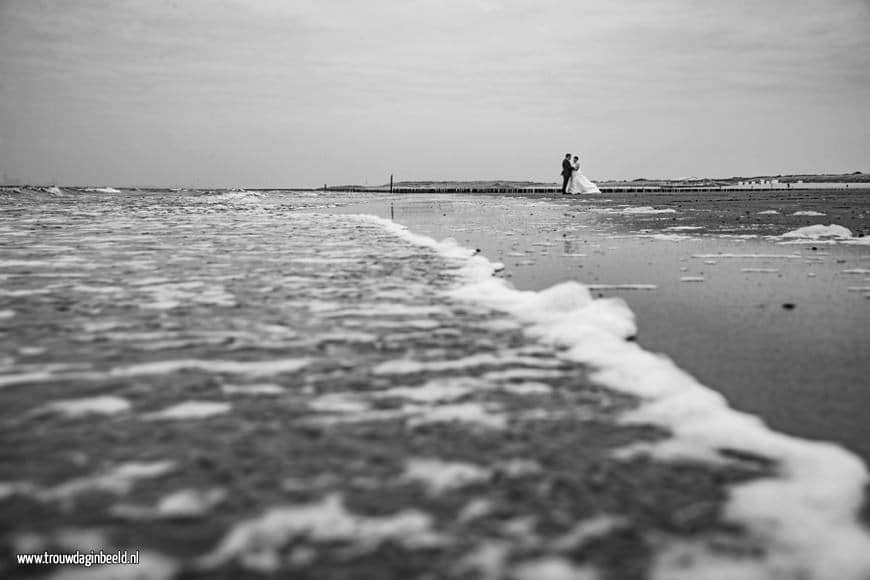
<point x="779" y="327"/>
<point x="290" y="290"/>
<point x="241" y="384"/>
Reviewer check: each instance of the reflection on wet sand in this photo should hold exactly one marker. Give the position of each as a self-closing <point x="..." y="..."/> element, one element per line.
<point x="713" y="299"/>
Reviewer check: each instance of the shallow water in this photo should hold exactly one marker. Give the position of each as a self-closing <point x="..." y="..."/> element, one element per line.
<point x="175" y="364"/>
<point x="710" y="300"/>
<point x="236" y="386"/>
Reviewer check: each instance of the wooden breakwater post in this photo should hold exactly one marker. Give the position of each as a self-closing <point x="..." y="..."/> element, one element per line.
<point x="391" y="183"/>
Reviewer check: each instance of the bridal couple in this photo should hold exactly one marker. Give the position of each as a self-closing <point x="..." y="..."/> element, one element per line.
<point x="573" y="181"/>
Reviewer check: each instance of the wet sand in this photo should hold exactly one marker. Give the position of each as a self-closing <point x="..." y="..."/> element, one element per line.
<point x="238" y="388"/>
<point x="210" y="379"/>
<point x="780" y="337"/>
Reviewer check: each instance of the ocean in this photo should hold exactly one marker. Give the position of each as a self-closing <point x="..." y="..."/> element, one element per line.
<point x="297" y="383"/>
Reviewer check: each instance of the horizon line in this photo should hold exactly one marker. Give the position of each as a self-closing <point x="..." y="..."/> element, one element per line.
<point x="386" y="184"/>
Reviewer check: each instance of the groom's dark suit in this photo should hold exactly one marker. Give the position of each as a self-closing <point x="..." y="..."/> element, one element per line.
<point x="566" y="173"/>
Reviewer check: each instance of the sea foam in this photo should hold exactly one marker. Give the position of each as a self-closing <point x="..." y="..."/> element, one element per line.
<point x="103" y="405"/>
<point x="250" y="368"/>
<point x="804" y="519"/>
<point x="646" y="210"/>
<point x="820" y="232"/>
<point x="257" y="542"/>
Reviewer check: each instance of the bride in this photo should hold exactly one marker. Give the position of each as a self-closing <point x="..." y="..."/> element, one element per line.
<point x="579" y="183"/>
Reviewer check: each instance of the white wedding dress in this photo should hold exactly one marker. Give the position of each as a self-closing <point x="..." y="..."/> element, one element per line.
<point x="579" y="183"/>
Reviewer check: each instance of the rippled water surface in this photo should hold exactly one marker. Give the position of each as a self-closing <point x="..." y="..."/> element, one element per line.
<point x="708" y="277"/>
<point x="237" y="388"/>
<point x="176" y="364"/>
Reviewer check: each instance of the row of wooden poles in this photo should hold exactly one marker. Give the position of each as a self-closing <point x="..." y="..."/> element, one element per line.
<point x="538" y="189"/>
<point x="604" y="189"/>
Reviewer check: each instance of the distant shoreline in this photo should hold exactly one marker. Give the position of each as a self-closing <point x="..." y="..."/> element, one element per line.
<point x="856" y="180"/>
<point x="605" y="187"/>
<point x="640" y="184"/>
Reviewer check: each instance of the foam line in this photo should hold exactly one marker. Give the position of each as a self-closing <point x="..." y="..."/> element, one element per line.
<point x="251" y="368"/>
<point x="622" y="286"/>
<point x="805" y="518"/>
<point x="646" y="210"/>
<point x="752" y="256"/>
<point x="102" y="405"/>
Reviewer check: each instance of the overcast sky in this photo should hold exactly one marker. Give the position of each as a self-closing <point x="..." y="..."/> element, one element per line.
<point x="306" y="92"/>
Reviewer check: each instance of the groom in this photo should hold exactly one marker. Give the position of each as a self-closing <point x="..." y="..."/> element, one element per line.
<point x="566" y="172"/>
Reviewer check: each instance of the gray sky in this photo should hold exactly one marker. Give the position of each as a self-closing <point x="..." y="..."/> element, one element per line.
<point x="303" y="92"/>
